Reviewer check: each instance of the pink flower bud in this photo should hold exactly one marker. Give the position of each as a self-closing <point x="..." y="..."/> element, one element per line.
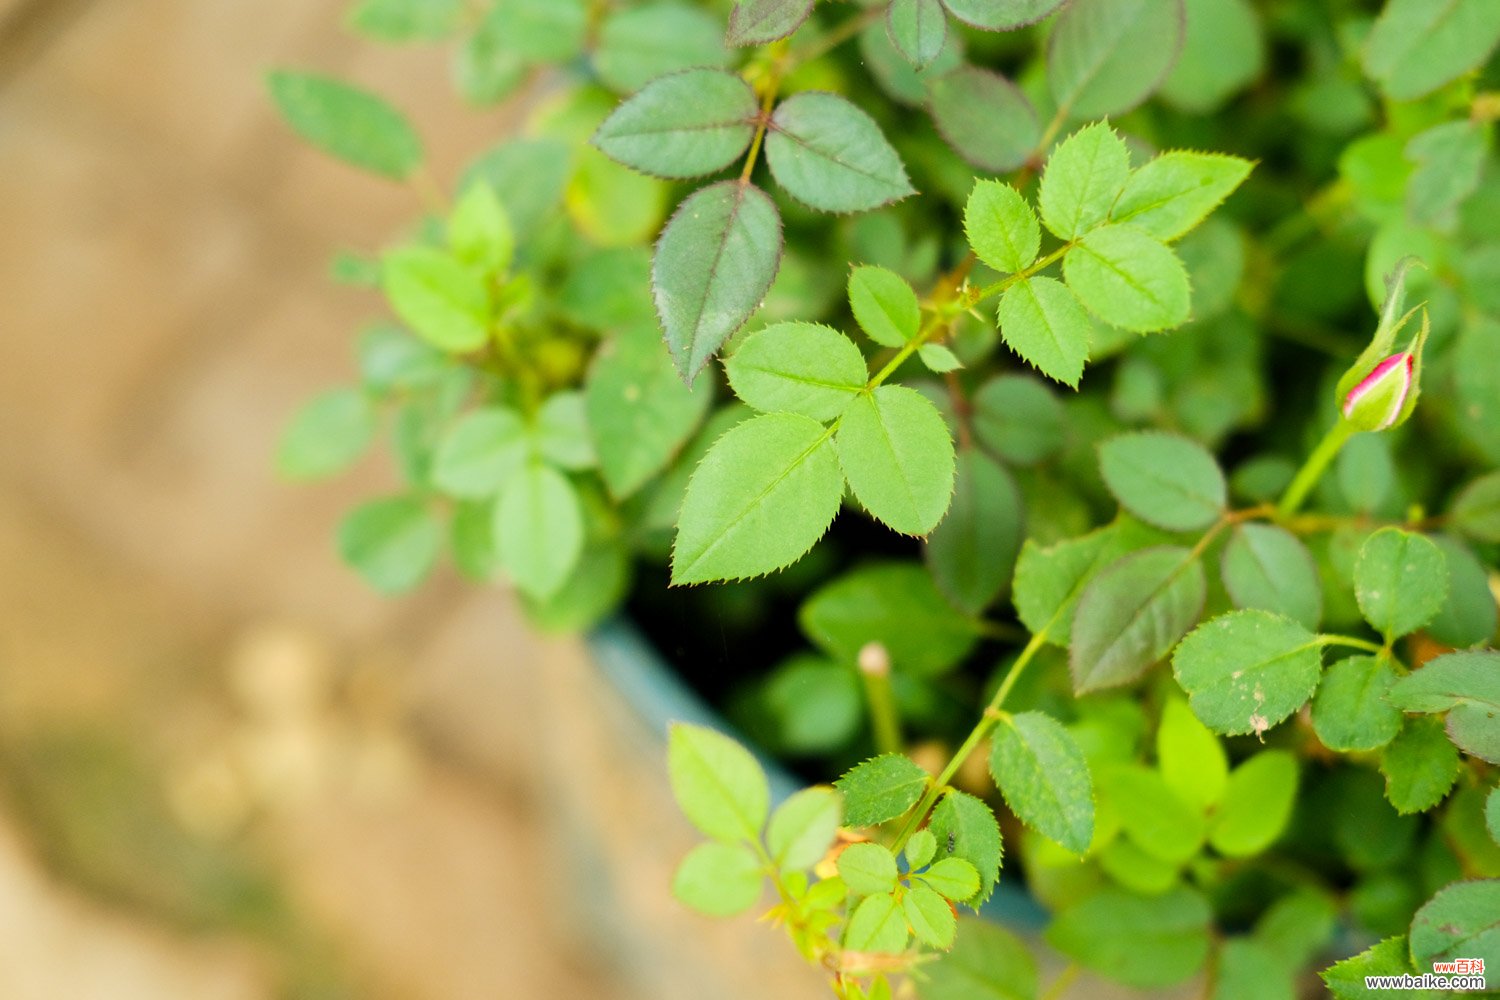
<point x="1376" y="401"/>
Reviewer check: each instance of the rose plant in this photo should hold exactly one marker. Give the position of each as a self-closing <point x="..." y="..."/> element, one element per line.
<point x="1062" y="467"/>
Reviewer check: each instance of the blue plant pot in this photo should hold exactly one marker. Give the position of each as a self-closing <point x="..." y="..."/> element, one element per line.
<point x="645" y="682"/>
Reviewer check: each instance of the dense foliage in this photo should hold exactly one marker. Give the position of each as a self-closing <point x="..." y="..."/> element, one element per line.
<point x="964" y="267"/>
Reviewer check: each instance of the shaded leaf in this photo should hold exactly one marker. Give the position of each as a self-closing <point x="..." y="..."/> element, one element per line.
<point x="683" y="125"/>
<point x="714" y="262"/>
<point x="831" y="155"/>
<point x="984" y="117"/>
<point x="1132" y="614"/>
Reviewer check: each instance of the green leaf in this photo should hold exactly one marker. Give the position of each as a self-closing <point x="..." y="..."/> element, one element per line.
<point x="1002" y="228"/>
<point x="406" y="20"/>
<point x="1257" y="804"/>
<point x="480" y="451"/>
<point x="928" y="914"/>
<point x="884" y="305"/>
<point x="1492" y="814"/>
<point x="562" y="432"/>
<point x="1128" y="279"/>
<point x="761" y="497"/>
<point x="717" y="783"/>
<point x="1042" y="322"/>
<point x="1346" y="979"/>
<point x="348" y="123"/>
<point x="687" y="124"/>
<point x="808" y="705"/>
<point x="714" y="262"/>
<point x="529" y="176"/>
<point x="1400" y="580"/>
<point x="1245" y="671"/>
<point x="719" y="879"/>
<point x="1350" y="712"/>
<point x="1001" y="15"/>
<point x="1175" y="191"/>
<point x="1045" y="780"/>
<point x="867" y="868"/>
<point x="830" y="155"/>
<point x="1416" y="46"/>
<point x="1461" y="921"/>
<point x="803" y="828"/>
<point x="1019" y="419"/>
<point x="1248" y="970"/>
<point x="920" y="847"/>
<point x="639" y="411"/>
<point x="1470" y="615"/>
<point x="756" y="22"/>
<point x="546" y="31"/>
<point x="918" y="29"/>
<point x="538" y="529"/>
<point x="1467" y="685"/>
<point x="1420" y="766"/>
<point x="1105" y="58"/>
<point x="1163" y="824"/>
<point x="938" y="358"/>
<point x="897" y="454"/>
<point x="1190" y="757"/>
<point x="876" y="925"/>
<point x="1476" y="509"/>
<point x="486" y="67"/>
<point x="984" y="117"/>
<point x="639" y="44"/>
<point x="1134" y="869"/>
<point x="1267" y="567"/>
<point x="987" y="962"/>
<point x="801" y="368"/>
<point x="594" y="588"/>
<point x="1085" y="175"/>
<point x="1298" y="927"/>
<point x="1049" y="580"/>
<point x="1450" y="680"/>
<point x="896" y="605"/>
<point x="953" y="878"/>
<point x="605" y="291"/>
<point x="391" y="542"/>
<point x="1450" y="161"/>
<point x="479" y="231"/>
<point x="1145" y="942"/>
<point x="327" y="435"/>
<point x="1164" y="479"/>
<point x="1223" y="51"/>
<point x="880" y="789"/>
<point x="443" y="301"/>
<point x="472" y="541"/>
<point x="972" y="551"/>
<point x="1132" y="614"/>
<point x="965" y="828"/>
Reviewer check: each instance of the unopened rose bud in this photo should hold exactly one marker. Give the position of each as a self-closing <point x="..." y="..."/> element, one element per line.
<point x="1378" y="401"/>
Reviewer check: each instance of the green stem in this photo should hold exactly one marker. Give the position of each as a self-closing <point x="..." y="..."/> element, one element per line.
<point x="885" y="720"/>
<point x="1351" y="641"/>
<point x="1062" y="982"/>
<point x="1312" y="470"/>
<point x="992" y="715"/>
